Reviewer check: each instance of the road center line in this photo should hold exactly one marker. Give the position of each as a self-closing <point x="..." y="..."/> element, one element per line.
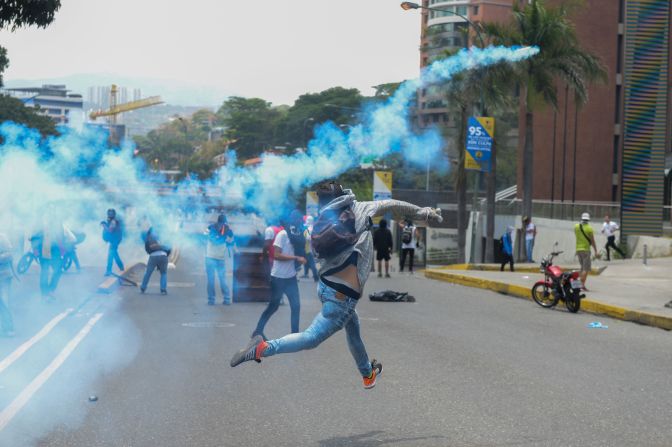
<point x="14" y="356"/>
<point x="22" y="399"/>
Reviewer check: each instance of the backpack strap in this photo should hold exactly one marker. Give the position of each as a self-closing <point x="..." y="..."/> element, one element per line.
<point x="584" y="234"/>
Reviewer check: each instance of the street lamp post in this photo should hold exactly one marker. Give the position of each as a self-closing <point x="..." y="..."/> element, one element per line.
<point x="410" y="5"/>
<point x="491" y="177"/>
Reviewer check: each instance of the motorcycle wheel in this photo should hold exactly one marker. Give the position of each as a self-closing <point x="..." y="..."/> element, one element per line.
<point x="573" y="302"/>
<point x="24" y="263"/>
<point x="67" y="262"/>
<point x="544" y="296"/>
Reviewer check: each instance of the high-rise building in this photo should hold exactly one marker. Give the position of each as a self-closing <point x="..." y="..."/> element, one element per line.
<point x="617" y="148"/>
<point x="446" y="30"/>
<point x="613" y="148"/>
<point x="54" y="101"/>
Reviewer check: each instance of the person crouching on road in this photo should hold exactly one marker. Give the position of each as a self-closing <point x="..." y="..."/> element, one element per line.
<point x="343" y="243"/>
<point x="158" y="259"/>
<point x="217" y="251"/>
<point x="584" y="240"/>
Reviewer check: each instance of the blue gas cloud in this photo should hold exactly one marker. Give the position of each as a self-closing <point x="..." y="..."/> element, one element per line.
<point x="72" y="179"/>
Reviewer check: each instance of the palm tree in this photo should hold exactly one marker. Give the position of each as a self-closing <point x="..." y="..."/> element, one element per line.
<point x="561" y="59"/>
<point x="483" y="86"/>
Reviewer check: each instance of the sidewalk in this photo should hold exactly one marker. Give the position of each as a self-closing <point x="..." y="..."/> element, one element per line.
<point x="626" y="289"/>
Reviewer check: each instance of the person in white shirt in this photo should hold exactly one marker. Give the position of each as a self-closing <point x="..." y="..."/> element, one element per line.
<point x="409" y="242"/>
<point x="283" y="278"/>
<point x="609" y="229"/>
<point x="530" y="235"/>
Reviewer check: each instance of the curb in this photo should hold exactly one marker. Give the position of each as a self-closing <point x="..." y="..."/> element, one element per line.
<point x="495" y="268"/>
<point x="589" y="306"/>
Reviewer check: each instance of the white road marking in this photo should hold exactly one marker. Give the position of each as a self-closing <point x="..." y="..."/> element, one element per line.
<point x="208" y="324"/>
<point x="22" y="399"/>
<point x="14" y="356"/>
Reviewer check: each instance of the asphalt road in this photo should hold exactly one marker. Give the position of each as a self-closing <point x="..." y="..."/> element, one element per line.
<point x="462" y="367"/>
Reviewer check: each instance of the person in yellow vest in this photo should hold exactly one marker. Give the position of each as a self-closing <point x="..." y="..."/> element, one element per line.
<point x="585" y="238"/>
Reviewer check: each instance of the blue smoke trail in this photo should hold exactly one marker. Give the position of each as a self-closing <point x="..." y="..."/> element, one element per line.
<point x="386" y="129"/>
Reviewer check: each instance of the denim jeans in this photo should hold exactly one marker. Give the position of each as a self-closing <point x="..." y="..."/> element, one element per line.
<point x="279" y="287"/>
<point x="113" y="256"/>
<point x="529" y="247"/>
<point x="218" y="266"/>
<point x="6" y="321"/>
<point x="336" y="314"/>
<point x="310" y="265"/>
<point x="156" y="262"/>
<point x="47" y="285"/>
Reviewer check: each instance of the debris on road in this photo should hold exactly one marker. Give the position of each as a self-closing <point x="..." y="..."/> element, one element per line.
<point x="93" y="398"/>
<point x="597" y="325"/>
<point x="390" y="296"/>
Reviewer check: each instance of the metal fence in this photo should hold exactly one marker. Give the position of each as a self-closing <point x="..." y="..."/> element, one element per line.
<point x="557" y="210"/>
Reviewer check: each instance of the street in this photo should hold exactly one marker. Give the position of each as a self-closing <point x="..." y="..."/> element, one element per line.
<point x="462" y="367"/>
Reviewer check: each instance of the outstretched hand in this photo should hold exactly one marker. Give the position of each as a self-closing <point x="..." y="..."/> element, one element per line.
<point x="435" y="215"/>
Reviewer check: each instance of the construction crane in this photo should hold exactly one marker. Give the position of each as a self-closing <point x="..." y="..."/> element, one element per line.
<point x="115" y="109"/>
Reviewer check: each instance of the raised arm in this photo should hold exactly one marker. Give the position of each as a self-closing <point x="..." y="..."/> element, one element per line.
<point x="399" y="207"/>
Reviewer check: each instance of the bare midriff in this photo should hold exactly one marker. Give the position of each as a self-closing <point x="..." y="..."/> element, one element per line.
<point x="349" y="275"/>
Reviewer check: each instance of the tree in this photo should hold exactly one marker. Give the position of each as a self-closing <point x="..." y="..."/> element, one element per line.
<point x="252" y="122"/>
<point x="15" y="14"/>
<point x="12" y="109"/>
<point x="337" y="104"/>
<point x="561" y="59"/>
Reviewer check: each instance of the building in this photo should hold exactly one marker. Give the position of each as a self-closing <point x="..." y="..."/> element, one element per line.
<point x="446" y="31"/>
<point x="613" y="149"/>
<point x="54" y="101"/>
<point x="616" y="148"/>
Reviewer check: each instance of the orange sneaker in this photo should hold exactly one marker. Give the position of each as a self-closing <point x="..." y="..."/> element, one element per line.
<point x="376" y="370"/>
<point x="253" y="351"/>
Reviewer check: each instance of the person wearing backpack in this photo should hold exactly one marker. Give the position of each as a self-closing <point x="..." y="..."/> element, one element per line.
<point x="158" y="259"/>
<point x="113" y="233"/>
<point x="382" y="243"/>
<point x="217" y="252"/>
<point x="409" y="242"/>
<point x="342" y="242"/>
<point x="584" y="240"/>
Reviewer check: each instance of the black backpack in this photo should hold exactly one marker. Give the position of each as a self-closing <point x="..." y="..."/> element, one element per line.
<point x="407" y="234"/>
<point x="333" y="232"/>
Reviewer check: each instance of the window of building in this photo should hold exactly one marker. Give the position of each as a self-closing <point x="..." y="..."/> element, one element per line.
<point x="475" y="10"/>
<point x="462" y="10"/>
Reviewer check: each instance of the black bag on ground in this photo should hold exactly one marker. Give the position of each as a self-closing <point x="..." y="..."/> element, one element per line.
<point x="391" y="296"/>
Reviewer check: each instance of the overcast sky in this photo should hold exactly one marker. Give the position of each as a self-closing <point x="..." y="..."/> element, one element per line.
<point x="273" y="49"/>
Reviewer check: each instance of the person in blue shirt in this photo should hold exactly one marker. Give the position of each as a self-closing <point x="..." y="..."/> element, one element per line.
<point x="507" y="249"/>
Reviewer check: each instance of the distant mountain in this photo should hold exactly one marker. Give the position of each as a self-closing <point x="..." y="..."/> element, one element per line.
<point x="179" y="93"/>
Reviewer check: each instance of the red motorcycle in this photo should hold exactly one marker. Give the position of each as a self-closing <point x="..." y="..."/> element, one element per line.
<point x="557" y="285"/>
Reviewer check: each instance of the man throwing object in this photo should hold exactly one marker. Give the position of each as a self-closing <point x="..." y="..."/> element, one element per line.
<point x="343" y="243"/>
